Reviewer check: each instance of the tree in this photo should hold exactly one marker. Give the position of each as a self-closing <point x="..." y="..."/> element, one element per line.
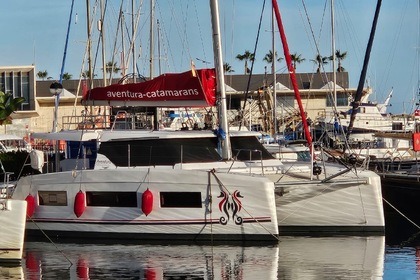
<point x="67" y="76"/>
<point x="320" y="60"/>
<point x="8" y="105"/>
<point x="86" y="74"/>
<point x="247" y="56"/>
<point x="269" y="57"/>
<point x="111" y="67"/>
<point x="227" y="68"/>
<point x="339" y="56"/>
<point x="296" y="59"/>
<point x="42" y="74"/>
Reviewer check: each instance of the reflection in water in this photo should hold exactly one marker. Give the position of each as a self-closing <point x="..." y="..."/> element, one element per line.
<point x="292" y="258"/>
<point x="325" y="258"/>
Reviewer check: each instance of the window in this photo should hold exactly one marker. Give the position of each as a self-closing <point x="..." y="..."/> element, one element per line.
<point x="52" y="198"/>
<point x="342" y="99"/>
<point x="180" y="199"/>
<point x="111" y="199"/>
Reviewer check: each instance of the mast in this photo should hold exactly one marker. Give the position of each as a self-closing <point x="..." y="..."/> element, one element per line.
<point x="218" y="61"/>
<point x="273" y="69"/>
<point x="359" y="91"/>
<point x="132" y="38"/>
<point x="333" y="55"/>
<point x="152" y="18"/>
<point x="89" y="44"/>
<point x="101" y="27"/>
<point x="292" y="73"/>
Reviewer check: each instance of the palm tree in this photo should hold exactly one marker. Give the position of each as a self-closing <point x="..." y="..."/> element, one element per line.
<point x="67" y="76"/>
<point x="247" y="56"/>
<point x="227" y="68"/>
<point x="8" y="105"/>
<point x="86" y="74"/>
<point x="42" y="74"/>
<point x="269" y="57"/>
<point x="339" y="56"/>
<point x="111" y="67"/>
<point x="296" y="59"/>
<point x="320" y="60"/>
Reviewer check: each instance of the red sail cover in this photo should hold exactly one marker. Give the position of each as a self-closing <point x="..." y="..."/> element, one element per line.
<point x="195" y="88"/>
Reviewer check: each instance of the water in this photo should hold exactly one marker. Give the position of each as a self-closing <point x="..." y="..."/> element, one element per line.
<point x="292" y="258"/>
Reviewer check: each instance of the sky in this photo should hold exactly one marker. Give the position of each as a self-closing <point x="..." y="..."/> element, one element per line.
<point x="35" y="32"/>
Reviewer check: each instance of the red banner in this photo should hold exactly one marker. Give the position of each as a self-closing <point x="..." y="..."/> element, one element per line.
<point x="196" y="88"/>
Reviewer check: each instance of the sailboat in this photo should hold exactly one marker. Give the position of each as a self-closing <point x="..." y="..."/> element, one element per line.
<point x="149" y="203"/>
<point x="113" y="170"/>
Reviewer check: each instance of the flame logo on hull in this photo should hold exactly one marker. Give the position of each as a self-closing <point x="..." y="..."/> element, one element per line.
<point x="231" y="206"/>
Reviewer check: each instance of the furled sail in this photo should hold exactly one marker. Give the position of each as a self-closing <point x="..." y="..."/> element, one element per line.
<point x="196" y="88"/>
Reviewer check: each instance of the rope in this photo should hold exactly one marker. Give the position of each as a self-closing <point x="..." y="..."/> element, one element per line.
<point x="412" y="237"/>
<point x="52" y="242"/>
<point x="213" y="172"/>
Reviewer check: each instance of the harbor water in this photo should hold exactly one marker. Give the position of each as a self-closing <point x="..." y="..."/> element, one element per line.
<point x="303" y="257"/>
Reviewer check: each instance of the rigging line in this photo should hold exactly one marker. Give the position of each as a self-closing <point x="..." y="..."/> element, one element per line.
<point x="120" y="15"/>
<point x="164" y="35"/>
<point x="66" y="44"/>
<point x="132" y="39"/>
<point x="199" y="31"/>
<point x="184" y="45"/>
<point x="393" y="49"/>
<point x="252" y="63"/>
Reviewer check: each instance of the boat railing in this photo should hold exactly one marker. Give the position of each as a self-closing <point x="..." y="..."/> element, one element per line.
<point x="122" y="120"/>
<point x="251" y="162"/>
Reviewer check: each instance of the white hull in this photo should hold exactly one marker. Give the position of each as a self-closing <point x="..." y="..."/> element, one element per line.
<point x="307" y="202"/>
<point x="343" y="205"/>
<point x="251" y="217"/>
<point x="12" y="222"/>
<point x="349" y="203"/>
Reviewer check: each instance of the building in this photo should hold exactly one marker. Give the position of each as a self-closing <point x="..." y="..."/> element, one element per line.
<point x="243" y="92"/>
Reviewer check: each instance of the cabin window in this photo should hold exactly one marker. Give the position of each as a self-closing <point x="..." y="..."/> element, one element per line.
<point x="52" y="198"/>
<point x="180" y="200"/>
<point x="111" y="199"/>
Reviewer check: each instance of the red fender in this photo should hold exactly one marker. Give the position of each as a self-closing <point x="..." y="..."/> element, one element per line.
<point x="147" y="202"/>
<point x="30" y="208"/>
<point x="82" y="269"/>
<point x="79" y="204"/>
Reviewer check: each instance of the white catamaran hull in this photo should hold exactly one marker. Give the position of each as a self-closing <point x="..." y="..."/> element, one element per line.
<point x="12" y="222"/>
<point x="347" y="204"/>
<point x="182" y="205"/>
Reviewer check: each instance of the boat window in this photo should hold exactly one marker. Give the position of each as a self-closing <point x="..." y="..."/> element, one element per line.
<point x="160" y="151"/>
<point x="180" y="199"/>
<point x="53" y="198"/>
<point x="249" y="148"/>
<point x="111" y="199"/>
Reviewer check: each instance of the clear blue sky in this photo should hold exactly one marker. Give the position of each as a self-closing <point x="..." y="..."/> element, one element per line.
<point x="34" y="32"/>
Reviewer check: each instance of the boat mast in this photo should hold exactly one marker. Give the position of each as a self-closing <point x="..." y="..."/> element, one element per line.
<point x="152" y="18"/>
<point x="333" y="57"/>
<point x="273" y="69"/>
<point x="292" y="73"/>
<point x="101" y="27"/>
<point x="89" y="45"/>
<point x="359" y="91"/>
<point x="218" y="60"/>
<point x="132" y="38"/>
